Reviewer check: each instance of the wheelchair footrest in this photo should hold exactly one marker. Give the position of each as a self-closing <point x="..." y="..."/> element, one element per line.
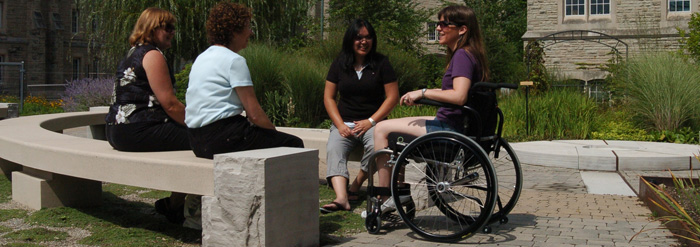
<point x="386" y="191"/>
<point x="378" y="191"/>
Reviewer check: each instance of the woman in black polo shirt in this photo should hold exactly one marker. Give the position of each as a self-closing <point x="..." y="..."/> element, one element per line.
<point x="368" y="91"/>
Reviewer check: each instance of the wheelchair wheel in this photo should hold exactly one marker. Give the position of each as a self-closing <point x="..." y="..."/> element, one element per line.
<point x="510" y="181"/>
<point x="453" y="186"/>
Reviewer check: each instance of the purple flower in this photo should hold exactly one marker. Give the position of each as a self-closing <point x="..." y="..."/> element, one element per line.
<point x="81" y="94"/>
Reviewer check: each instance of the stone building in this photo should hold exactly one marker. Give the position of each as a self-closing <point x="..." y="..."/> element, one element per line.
<point x="630" y="26"/>
<point x="46" y="35"/>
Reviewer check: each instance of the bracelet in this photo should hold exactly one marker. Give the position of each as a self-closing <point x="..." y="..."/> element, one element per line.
<point x="372" y="121"/>
<point x="422" y="93"/>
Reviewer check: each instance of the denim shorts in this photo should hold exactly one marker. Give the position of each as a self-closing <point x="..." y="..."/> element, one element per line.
<point x="437" y="125"/>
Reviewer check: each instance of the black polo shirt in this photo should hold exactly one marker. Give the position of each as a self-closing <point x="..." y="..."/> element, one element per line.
<point x="360" y="98"/>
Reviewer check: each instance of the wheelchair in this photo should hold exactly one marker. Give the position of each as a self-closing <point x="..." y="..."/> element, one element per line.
<point x="450" y="185"/>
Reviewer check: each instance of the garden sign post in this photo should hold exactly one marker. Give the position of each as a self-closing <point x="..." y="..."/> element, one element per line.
<point x="527" y="85"/>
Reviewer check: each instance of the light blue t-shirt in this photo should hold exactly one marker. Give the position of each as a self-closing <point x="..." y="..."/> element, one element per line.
<point x="210" y="93"/>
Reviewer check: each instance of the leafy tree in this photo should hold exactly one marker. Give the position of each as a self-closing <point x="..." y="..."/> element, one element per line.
<point x="690" y="40"/>
<point x="503" y="24"/>
<point x="108" y="23"/>
<point x="400" y="22"/>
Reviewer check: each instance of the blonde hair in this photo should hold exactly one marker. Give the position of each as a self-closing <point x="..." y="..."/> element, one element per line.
<point x="150" y="19"/>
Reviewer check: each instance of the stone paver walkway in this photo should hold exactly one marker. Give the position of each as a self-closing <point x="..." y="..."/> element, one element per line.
<point x="554" y="210"/>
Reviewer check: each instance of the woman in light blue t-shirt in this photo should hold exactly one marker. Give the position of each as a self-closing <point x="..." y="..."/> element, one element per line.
<point x="220" y="89"/>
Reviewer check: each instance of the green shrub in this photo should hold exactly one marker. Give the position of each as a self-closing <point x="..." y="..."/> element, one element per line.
<point x="555" y="114"/>
<point x="409" y="71"/>
<point x="34" y="105"/>
<point x="616" y="125"/>
<point x="683" y="135"/>
<point x="326" y="50"/>
<point x="662" y="90"/>
<point x="289" y="85"/>
<point x="304" y="80"/>
<point x="690" y="40"/>
<point x="182" y="79"/>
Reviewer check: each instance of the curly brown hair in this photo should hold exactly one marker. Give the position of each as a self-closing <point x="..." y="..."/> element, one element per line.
<point x="225" y="20"/>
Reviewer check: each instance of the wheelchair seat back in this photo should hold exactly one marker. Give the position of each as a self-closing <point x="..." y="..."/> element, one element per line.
<point x="484" y="122"/>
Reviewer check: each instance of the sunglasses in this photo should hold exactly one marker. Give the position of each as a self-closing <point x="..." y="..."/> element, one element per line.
<point x="443" y="24"/>
<point x="169" y="28"/>
<point x="365" y="38"/>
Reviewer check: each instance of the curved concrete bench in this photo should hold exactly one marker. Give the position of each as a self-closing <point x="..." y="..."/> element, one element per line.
<point x="276" y="189"/>
<point x="37" y="142"/>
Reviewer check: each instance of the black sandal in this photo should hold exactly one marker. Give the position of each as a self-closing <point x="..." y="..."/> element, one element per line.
<point x="355" y="194"/>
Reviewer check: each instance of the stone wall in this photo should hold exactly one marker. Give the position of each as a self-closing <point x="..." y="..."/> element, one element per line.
<point x="47" y="49"/>
<point x="644" y="25"/>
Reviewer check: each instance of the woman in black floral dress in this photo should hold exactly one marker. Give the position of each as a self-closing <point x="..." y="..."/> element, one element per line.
<point x="145" y="114"/>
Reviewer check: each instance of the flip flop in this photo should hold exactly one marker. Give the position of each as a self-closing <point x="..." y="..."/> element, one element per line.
<point x="338" y="207"/>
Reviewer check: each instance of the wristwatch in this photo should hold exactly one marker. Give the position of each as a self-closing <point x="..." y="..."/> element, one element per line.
<point x="422" y="93"/>
<point x="372" y="121"/>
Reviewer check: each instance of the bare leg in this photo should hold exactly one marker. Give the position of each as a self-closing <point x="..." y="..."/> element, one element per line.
<point x="357" y="183"/>
<point x="410" y="125"/>
<point x="341" y="194"/>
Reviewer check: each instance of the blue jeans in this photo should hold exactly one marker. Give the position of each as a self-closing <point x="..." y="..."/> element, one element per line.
<point x="437" y="125"/>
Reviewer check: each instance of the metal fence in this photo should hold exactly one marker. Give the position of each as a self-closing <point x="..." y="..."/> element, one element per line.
<point x="12" y="80"/>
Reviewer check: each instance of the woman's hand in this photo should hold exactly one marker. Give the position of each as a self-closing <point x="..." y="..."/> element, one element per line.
<point x="410" y="97"/>
<point x="361" y="127"/>
<point x="344" y="131"/>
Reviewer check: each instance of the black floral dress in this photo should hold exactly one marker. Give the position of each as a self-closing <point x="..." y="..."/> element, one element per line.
<point x="136" y="121"/>
<point x="133" y="99"/>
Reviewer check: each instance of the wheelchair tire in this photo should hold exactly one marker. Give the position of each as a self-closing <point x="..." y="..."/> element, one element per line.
<point x="510" y="180"/>
<point x="453" y="186"/>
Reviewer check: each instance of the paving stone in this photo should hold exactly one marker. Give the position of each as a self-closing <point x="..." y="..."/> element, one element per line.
<point x="554" y="210"/>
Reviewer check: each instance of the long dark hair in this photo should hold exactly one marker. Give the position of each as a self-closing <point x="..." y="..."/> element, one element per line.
<point x="472" y="41"/>
<point x="347" y="55"/>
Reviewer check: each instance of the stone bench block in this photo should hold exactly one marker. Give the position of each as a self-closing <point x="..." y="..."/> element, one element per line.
<point x="9" y="110"/>
<point x="266" y="197"/>
<point x="38" y="189"/>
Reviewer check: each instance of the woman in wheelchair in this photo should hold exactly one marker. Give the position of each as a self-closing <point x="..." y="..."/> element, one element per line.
<point x="460" y="33"/>
<point x="368" y="91"/>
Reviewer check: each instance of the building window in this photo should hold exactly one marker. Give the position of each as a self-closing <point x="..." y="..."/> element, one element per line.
<point x="432" y="32"/>
<point x="678" y="5"/>
<point x="575" y="7"/>
<point x="38" y="20"/>
<point x="76" y="68"/>
<point x="57" y="23"/>
<point x="74" y="21"/>
<point x="600" y="7"/>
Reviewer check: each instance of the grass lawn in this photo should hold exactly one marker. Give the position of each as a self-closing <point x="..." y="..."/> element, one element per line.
<point x="133" y="222"/>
